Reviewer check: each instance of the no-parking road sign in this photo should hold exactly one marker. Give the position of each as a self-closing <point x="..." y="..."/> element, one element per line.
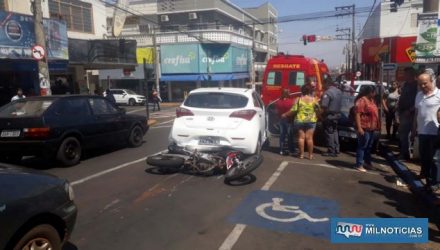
<point x="38" y="52"/>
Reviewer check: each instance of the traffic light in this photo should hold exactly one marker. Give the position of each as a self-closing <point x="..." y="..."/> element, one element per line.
<point x="305" y="39"/>
<point x="394" y="4"/>
<point x="311" y="38"/>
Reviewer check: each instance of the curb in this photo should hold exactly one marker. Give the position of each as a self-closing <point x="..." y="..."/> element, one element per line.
<point x="415" y="185"/>
<point x="402" y="170"/>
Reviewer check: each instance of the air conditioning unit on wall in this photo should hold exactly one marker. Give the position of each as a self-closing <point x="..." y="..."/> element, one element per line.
<point x="192" y="16"/>
<point x="164" y="18"/>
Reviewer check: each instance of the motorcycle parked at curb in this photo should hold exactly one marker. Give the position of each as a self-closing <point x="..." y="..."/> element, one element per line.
<point x="232" y="163"/>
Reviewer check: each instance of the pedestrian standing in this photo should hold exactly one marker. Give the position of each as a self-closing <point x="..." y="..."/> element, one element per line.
<point x="156" y="100"/>
<point x="331" y="108"/>
<point x="19" y="95"/>
<point x="306" y="109"/>
<point x="405" y="108"/>
<point x="427" y="104"/>
<point x="366" y="122"/>
<point x="389" y="103"/>
<point x="109" y="96"/>
<point x="283" y="105"/>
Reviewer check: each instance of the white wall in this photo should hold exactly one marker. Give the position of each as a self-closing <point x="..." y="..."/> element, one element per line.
<point x="24" y="7"/>
<point x="383" y="23"/>
<point x="99" y="20"/>
<point x="400" y="23"/>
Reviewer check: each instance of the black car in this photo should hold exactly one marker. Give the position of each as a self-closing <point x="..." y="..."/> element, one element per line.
<point x="63" y="127"/>
<point x="37" y="210"/>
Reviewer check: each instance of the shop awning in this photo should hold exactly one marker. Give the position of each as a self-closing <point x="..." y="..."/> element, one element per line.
<point x="175" y="78"/>
<point x="204" y="77"/>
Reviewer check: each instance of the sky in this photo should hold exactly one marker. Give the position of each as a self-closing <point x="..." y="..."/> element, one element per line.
<point x="289" y="34"/>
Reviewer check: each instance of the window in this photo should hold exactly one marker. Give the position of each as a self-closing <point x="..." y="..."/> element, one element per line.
<point x="25" y="108"/>
<point x="101" y="106"/>
<point x="216" y="101"/>
<point x="77" y="14"/>
<point x="296" y="78"/>
<point x="274" y="78"/>
<point x="3" y="4"/>
<point x="72" y="107"/>
<point x="257" y="101"/>
<point x="117" y="92"/>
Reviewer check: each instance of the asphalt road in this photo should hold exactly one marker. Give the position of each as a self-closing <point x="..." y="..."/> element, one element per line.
<point x="125" y="204"/>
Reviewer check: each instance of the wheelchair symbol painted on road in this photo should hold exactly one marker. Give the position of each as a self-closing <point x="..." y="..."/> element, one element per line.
<point x="287" y="212"/>
<point x="275" y="205"/>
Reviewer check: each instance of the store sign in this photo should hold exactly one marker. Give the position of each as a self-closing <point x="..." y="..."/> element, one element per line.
<point x="17" y="37"/>
<point x="179" y="59"/>
<point x="205" y="59"/>
<point x="425" y="47"/>
<point x="145" y="53"/>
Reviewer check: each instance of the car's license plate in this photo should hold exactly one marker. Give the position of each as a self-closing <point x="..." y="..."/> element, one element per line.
<point x="209" y="141"/>
<point x="10" y="133"/>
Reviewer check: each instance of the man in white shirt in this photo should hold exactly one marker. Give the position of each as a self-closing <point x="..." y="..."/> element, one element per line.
<point x="19" y="95"/>
<point x="427" y="103"/>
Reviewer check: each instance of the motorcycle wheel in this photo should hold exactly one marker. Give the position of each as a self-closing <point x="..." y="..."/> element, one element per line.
<point x="249" y="165"/>
<point x="165" y="161"/>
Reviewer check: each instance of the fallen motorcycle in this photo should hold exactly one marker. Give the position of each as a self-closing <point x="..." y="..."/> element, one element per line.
<point x="232" y="163"/>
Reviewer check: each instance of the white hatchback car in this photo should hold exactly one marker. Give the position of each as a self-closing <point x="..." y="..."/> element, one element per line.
<point x="212" y="118"/>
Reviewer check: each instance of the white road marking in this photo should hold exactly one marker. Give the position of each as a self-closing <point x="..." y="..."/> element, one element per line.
<point x="239" y="228"/>
<point x="160" y="127"/>
<point x="99" y="174"/>
<point x="165" y="122"/>
<point x="136" y="110"/>
<point x="332" y="167"/>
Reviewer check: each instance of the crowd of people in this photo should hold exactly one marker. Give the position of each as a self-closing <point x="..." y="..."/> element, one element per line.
<point x="411" y="110"/>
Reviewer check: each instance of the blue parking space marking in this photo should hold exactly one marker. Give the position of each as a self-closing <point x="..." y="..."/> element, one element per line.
<point x="287" y="212"/>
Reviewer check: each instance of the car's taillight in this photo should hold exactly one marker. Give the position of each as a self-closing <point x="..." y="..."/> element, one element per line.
<point x="183" y="112"/>
<point x="245" y="114"/>
<point x="36" y="132"/>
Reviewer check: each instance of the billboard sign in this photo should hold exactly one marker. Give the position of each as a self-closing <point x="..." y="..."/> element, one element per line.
<point x="17" y="37"/>
<point x="425" y="47"/>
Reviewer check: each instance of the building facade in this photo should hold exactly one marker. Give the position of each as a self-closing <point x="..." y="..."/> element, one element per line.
<point x="76" y="43"/>
<point x="199" y="43"/>
<point x="390" y="35"/>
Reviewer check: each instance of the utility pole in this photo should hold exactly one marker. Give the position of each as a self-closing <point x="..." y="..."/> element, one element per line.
<point x="40" y="39"/>
<point x="156" y="62"/>
<point x="353" y="42"/>
<point x="253" y="56"/>
<point x="345" y="36"/>
<point x="349" y="10"/>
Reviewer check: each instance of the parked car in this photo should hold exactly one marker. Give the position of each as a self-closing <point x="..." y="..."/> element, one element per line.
<point x="63" y="127"/>
<point x="127" y="96"/>
<point x="211" y="118"/>
<point x="37" y="210"/>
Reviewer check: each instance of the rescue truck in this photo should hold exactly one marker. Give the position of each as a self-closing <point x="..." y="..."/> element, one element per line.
<point x="292" y="72"/>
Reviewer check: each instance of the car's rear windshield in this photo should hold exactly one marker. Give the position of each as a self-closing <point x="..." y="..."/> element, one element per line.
<point x="216" y="100"/>
<point x="25" y="108"/>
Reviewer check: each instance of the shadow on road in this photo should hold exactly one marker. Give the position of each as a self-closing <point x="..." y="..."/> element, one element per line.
<point x="69" y="246"/>
<point x="406" y="203"/>
<point x="41" y="163"/>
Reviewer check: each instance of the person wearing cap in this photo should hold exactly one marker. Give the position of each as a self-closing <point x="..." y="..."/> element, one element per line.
<point x="331" y="103"/>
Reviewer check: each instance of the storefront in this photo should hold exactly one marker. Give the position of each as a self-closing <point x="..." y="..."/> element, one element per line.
<point x="17" y="67"/>
<point x="185" y="67"/>
<point x="398" y="50"/>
